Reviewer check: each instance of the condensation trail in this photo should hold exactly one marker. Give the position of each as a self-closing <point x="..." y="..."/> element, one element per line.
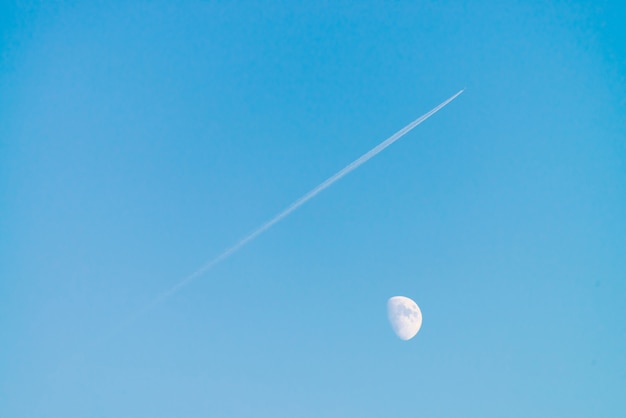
<point x="295" y="205"/>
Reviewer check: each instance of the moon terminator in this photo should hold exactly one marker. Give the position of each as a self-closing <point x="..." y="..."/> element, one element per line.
<point x="405" y="317"/>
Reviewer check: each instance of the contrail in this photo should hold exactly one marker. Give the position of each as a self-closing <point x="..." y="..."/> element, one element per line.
<point x="295" y="205"/>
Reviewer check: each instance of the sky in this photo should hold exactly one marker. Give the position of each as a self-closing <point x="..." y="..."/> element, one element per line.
<point x="139" y="140"/>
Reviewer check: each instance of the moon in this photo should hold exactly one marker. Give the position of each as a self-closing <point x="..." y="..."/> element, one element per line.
<point x="405" y="317"/>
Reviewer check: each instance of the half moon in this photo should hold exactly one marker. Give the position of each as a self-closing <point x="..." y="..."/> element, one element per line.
<point x="405" y="317"/>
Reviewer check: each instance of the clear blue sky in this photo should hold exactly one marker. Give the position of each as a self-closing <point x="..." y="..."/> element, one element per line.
<point x="138" y="141"/>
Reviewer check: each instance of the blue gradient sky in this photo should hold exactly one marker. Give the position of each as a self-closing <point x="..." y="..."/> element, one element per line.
<point x="137" y="141"/>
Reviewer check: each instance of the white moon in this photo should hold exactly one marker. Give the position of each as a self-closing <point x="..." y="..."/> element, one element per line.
<point x="405" y="316"/>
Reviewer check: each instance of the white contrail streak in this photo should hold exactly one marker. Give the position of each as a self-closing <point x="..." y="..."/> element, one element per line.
<point x="295" y="205"/>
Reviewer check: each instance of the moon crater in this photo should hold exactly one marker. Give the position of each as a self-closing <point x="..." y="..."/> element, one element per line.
<point x="405" y="317"/>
